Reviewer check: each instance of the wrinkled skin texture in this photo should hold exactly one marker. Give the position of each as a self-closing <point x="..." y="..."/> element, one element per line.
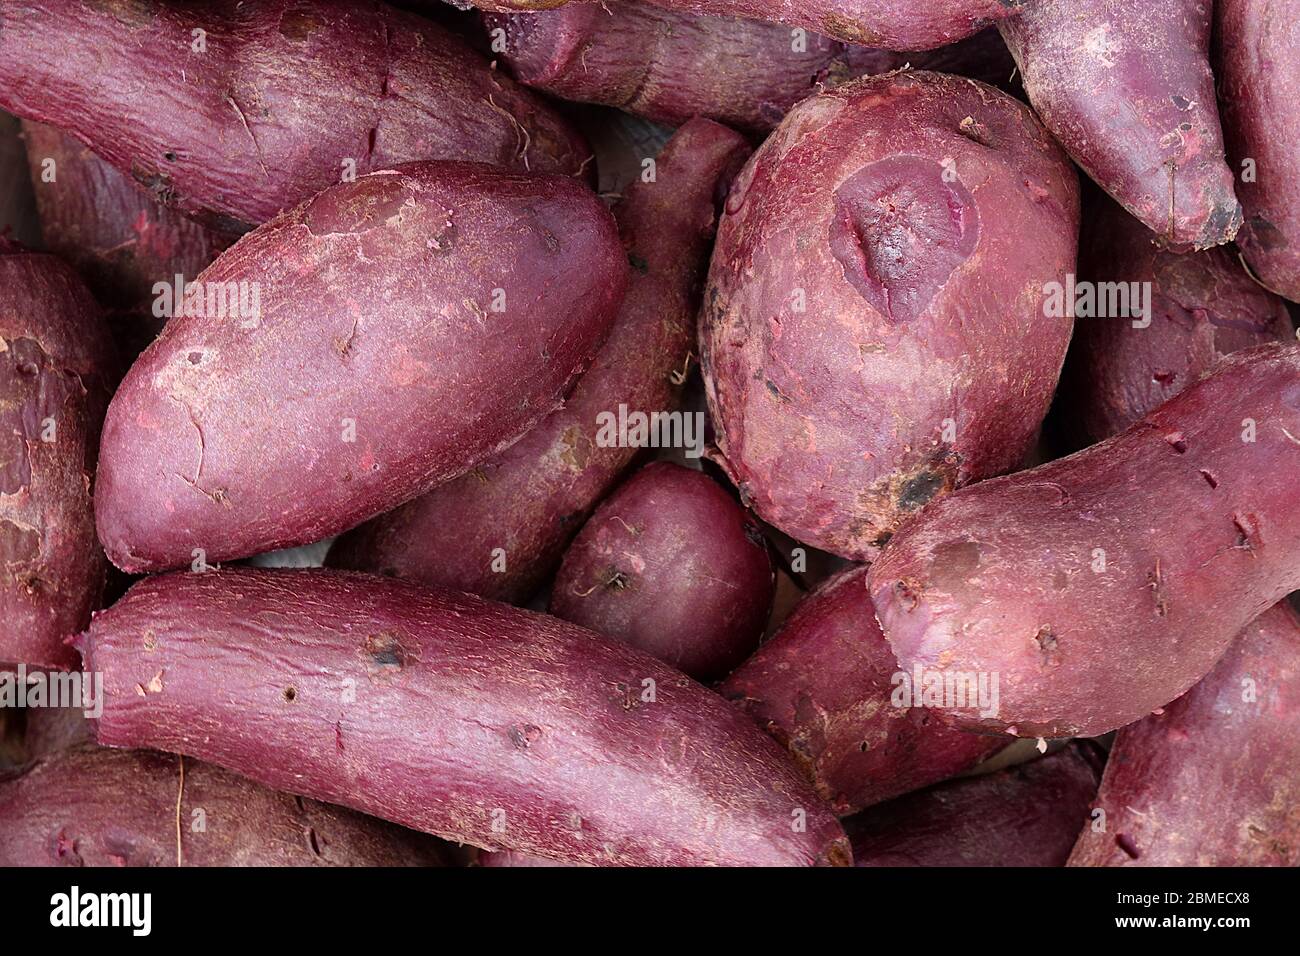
<point x="1127" y="89"/>
<point x="1101" y="586"/>
<point x="467" y="719"/>
<point x="1027" y="815"/>
<point x="1203" y="306"/>
<point x="377" y="310"/>
<point x="289" y="97"/>
<point x="89" y="806"/>
<point x="1259" y="92"/>
<point x="56" y="369"/>
<point x="874" y="332"/>
<point x="823" y="687"/>
<point x="533" y="498"/>
<point x="1214" y="779"/>
<point x="671" y="564"/>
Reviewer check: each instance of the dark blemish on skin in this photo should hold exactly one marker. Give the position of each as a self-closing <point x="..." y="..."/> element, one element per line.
<point x="195" y="358"/>
<point x="771" y="387"/>
<point x="976" y="131"/>
<point x="919" y="489"/>
<point x="169" y="156"/>
<point x="908" y="594"/>
<point x="1180" y="102"/>
<point x="1155" y="581"/>
<point x="1177" y="442"/>
<point x="312" y="843"/>
<point x="1209" y="479"/>
<point x="1046" y="639"/>
<point x="384" y="655"/>
<point x="523" y="736"/>
<point x="1245" y="532"/>
<point x="637" y="263"/>
<point x="753" y="535"/>
<point x="625" y="697"/>
<point x="883" y="539"/>
<point x="1164" y="378"/>
<point x="290" y="695"/>
<point x="1125" y="843"/>
<point x="158" y="185"/>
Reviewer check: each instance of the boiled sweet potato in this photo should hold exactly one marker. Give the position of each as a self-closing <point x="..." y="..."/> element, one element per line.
<point x="1213" y="779"/>
<point x="874" y="331"/>
<point x="391" y="333"/>
<point x="1099" y="587"/>
<point x="440" y="711"/>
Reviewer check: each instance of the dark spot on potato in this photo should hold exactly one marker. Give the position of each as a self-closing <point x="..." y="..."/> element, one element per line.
<point x="776" y="392"/>
<point x="907" y="594"/>
<point x="1247" y="532"/>
<point x="195" y="358"/>
<point x="882" y="539"/>
<point x="524" y="736"/>
<point x="1163" y="378"/>
<point x="1266" y="235"/>
<point x="753" y="535"/>
<point x="625" y="696"/>
<point x="1180" y="102"/>
<point x="977" y="132"/>
<point x="920" y="488"/>
<point x="1046" y="639"/>
<point x="158" y="185"/>
<point x="1209" y="478"/>
<point x="1125" y="843"/>
<point x="290" y="694"/>
<point x="384" y="654"/>
<point x="1177" y="442"/>
<point x="637" y="262"/>
<point x="169" y="156"/>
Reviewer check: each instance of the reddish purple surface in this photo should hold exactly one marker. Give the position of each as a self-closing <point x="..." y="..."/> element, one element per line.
<point x="471" y="720"/>
<point x="1213" y="780"/>
<point x="874" y="331"/>
<point x="1198" y="530"/>
<point x="377" y="308"/>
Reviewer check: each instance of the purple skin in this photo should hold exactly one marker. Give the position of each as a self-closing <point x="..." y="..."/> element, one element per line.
<point x="511" y="858"/>
<point x="1259" y="92"/>
<point x="531" y="499"/>
<point x="1127" y="89"/>
<point x="1203" y="306"/>
<point x="57" y="366"/>
<point x="823" y="687"/>
<point x="874" y="331"/>
<point x="88" y="806"/>
<point x="671" y="564"/>
<point x="288" y="97"/>
<point x="1212" y="779"/>
<point x="1027" y="815"/>
<point x="377" y="309"/>
<point x="471" y="720"/>
<point x="1101" y="586"/>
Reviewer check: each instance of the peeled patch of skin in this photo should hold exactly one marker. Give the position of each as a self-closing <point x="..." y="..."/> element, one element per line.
<point x="1259" y="92"/>
<point x="1099" y="587"/>
<point x="1127" y="89"/>
<point x="409" y="326"/>
<point x="824" y="687"/>
<point x="874" y="330"/>
<point x="531" y="500"/>
<point x="437" y="710"/>
<point x="1212" y="779"/>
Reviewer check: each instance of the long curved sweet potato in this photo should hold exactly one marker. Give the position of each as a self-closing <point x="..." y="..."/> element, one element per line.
<point x="530" y="500"/>
<point x="1099" y="587"/>
<point x="233" y="110"/>
<point x="1214" y="778"/>
<point x="389" y="311"/>
<point x="441" y="711"/>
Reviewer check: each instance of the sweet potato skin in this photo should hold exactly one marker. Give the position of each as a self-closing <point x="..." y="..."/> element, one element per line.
<point x="1211" y="780"/>
<point x="376" y="302"/>
<point x="91" y="806"/>
<point x="284" y="95"/>
<point x="823" y="687"/>
<point x="1101" y="586"/>
<point x="671" y="564"/>
<point x="849" y="382"/>
<point x="56" y="369"/>
<point x="1127" y="89"/>
<point x="531" y="499"/>
<point x="1259" y="93"/>
<point x="476" y="721"/>
<point x="1026" y="815"/>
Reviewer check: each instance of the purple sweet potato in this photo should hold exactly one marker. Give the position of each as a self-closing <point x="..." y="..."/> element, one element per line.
<point x="1258" y="45"/>
<point x="233" y="110"/>
<point x="56" y="372"/>
<point x="1127" y="89"/>
<point x="89" y="806"/>
<point x="408" y="326"/>
<point x="1098" y="587"/>
<point x="1203" y="306"/>
<point x="531" y="500"/>
<point x="1214" y="778"/>
<point x="671" y="564"/>
<point x="471" y="720"/>
<point x="874" y="331"/>
<point x="825" y="686"/>
<point x="1026" y="815"/>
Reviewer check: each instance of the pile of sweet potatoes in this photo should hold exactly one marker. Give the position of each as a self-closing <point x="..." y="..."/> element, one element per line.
<point x="895" y="464"/>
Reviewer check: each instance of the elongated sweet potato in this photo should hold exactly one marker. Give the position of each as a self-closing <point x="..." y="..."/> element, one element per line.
<point x="90" y="806"/>
<point x="1027" y="815"/>
<point x="277" y="98"/>
<point x="56" y="373"/>
<point x="826" y="687"/>
<point x="1127" y="89"/>
<point x="531" y="500"/>
<point x="379" y="327"/>
<point x="1214" y="778"/>
<point x="441" y="711"/>
<point x="1203" y="306"/>
<point x="874" y="331"/>
<point x="1099" y="587"/>
<point x="671" y="564"/>
<point x="1258" y="44"/>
